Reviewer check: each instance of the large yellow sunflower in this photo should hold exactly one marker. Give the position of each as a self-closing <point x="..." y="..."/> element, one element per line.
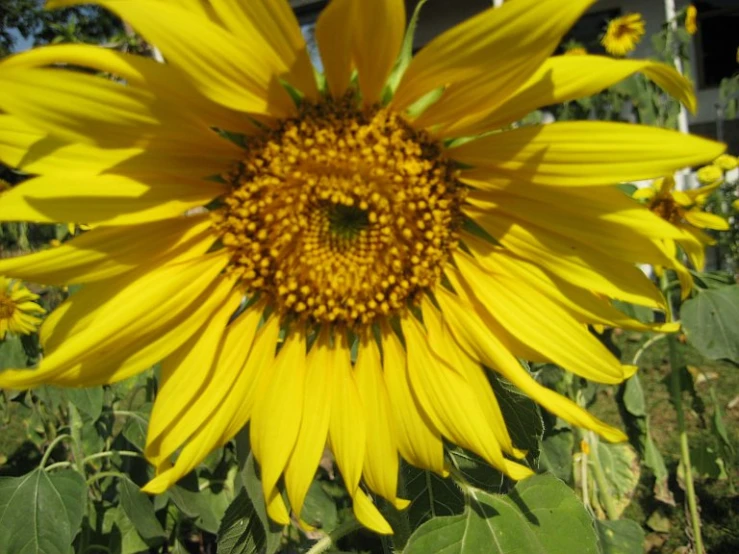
<point x="19" y="312"/>
<point x="623" y="34"/>
<point x="250" y="229"/>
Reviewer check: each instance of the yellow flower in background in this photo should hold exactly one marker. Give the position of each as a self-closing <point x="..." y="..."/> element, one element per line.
<point x="735" y="205"/>
<point x="726" y="162"/>
<point x="683" y="209"/>
<point x="691" y="19"/>
<point x="623" y="34"/>
<point x="334" y="223"/>
<point x="19" y="312"/>
<point x="709" y="174"/>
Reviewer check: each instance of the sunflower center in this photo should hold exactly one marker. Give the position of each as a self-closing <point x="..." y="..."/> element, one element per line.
<point x="667" y="209"/>
<point x="341" y="215"/>
<point x="7" y="307"/>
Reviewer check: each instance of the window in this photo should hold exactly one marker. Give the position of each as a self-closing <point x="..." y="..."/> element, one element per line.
<point x="717" y="41"/>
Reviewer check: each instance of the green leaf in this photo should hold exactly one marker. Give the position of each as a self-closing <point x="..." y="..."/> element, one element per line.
<point x="12" y="353"/>
<point x="203" y="506"/>
<point x="540" y="515"/>
<point x="633" y="397"/>
<point x="88" y="400"/>
<point x="253" y="487"/>
<point x="140" y="511"/>
<point x="556" y="454"/>
<point x="319" y="509"/>
<point x="137" y="423"/>
<point x="522" y="416"/>
<point x="432" y="496"/>
<point x="124" y="539"/>
<point x="711" y="322"/>
<point x="621" y="467"/>
<point x="40" y="512"/>
<point x="623" y="536"/>
<point x="241" y="531"/>
<point x="706" y="462"/>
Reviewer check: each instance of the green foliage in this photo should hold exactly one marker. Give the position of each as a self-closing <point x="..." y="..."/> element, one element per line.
<point x="530" y="519"/>
<point x="711" y="322"/>
<point x="40" y="512"/>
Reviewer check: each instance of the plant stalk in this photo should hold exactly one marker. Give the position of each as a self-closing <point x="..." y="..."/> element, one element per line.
<point x="330" y="539"/>
<point x="677" y="399"/>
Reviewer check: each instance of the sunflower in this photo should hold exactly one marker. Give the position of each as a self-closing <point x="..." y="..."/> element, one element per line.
<point x="691" y="19"/>
<point x="623" y="34"/>
<point x="18" y="310"/>
<point x="684" y="210"/>
<point x="252" y="230"/>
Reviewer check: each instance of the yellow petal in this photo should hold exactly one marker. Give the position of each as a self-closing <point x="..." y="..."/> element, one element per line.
<point x="586" y="306"/>
<point x="563" y="78"/>
<point x="212" y="431"/>
<point x="333" y="34"/>
<point x="226" y="69"/>
<point x="448" y="401"/>
<point x="585" y="153"/>
<point x="377" y="28"/>
<point x="273" y="432"/>
<point x="91" y="109"/>
<point x="578" y="261"/>
<point x="558" y="336"/>
<point x="486" y="59"/>
<point x="108" y="251"/>
<point x="311" y="442"/>
<point x="704" y="220"/>
<point x="418" y="442"/>
<point x="473" y="334"/>
<point x="256" y="374"/>
<point x="274" y="22"/>
<point x="108" y="199"/>
<point x="118" y="340"/>
<point x="198" y="377"/>
<point x="163" y="80"/>
<point x="35" y="151"/>
<point x="645" y="193"/>
<point x="368" y="514"/>
<point x="347" y="425"/>
<point x="447" y="349"/>
<point x="380" y="469"/>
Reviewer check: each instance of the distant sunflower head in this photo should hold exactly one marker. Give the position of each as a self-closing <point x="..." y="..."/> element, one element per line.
<point x="352" y="261"/>
<point x="685" y="210"/>
<point x="19" y="312"/>
<point x="623" y="34"/>
<point x="691" y="19"/>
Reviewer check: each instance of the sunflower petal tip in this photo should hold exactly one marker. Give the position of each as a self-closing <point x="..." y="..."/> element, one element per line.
<point x="629" y="370"/>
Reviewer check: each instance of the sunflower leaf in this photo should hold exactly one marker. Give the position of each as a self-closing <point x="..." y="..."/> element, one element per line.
<point x="711" y="322"/>
<point x="623" y="536"/>
<point x="40" y="512"/>
<point x="528" y="519"/>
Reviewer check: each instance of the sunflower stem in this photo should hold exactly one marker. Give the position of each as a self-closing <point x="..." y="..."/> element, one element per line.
<point x="50" y="448"/>
<point x="676" y="390"/>
<point x="677" y="399"/>
<point x="337" y="534"/>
